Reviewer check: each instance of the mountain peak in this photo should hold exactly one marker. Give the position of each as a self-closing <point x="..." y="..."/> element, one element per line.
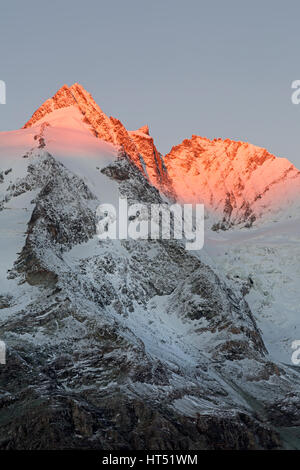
<point x="63" y="98"/>
<point x="238" y="180"/>
<point x="138" y="145"/>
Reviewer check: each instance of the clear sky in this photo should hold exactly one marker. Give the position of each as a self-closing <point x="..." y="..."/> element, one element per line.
<point x="212" y="68"/>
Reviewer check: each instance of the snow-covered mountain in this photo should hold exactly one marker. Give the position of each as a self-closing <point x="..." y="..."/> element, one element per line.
<point x="123" y="344"/>
<point x="75" y="100"/>
<point x="239" y="183"/>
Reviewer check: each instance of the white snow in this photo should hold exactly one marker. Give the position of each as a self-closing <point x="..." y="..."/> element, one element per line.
<point x="71" y="143"/>
<point x="269" y="255"/>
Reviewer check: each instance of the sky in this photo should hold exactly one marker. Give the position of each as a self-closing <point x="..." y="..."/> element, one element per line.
<point x="211" y="68"/>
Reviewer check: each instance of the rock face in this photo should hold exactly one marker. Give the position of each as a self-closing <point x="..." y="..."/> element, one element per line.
<point x="152" y="160"/>
<point x="121" y="344"/>
<point x="138" y="145"/>
<point x="239" y="183"/>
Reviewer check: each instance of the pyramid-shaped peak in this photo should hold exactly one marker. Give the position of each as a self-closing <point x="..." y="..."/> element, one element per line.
<point x="66" y="96"/>
<point x="136" y="144"/>
<point x="63" y="98"/>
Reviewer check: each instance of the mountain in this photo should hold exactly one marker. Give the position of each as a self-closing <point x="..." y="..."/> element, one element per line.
<point x="252" y="201"/>
<point x="238" y="182"/>
<point x="124" y="344"/>
<point x="138" y="145"/>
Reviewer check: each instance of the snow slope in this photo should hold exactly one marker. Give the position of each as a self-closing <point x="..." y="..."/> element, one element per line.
<point x="74" y="146"/>
<point x="265" y="260"/>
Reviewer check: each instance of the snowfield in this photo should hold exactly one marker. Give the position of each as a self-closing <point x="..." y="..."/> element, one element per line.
<point x="266" y="258"/>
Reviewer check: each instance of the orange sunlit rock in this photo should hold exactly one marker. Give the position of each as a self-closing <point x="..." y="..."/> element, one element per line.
<point x="235" y="179"/>
<point x="142" y="151"/>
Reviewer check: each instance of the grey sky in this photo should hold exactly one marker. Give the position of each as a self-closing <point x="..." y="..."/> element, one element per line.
<point x="213" y="68"/>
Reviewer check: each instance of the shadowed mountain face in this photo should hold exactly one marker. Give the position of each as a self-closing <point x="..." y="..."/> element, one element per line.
<point x="121" y="344"/>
